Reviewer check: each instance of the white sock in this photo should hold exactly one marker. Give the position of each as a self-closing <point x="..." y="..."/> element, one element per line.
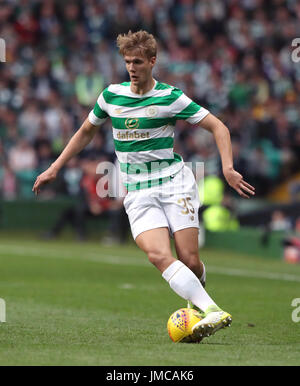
<point x="203" y="276"/>
<point x="186" y="284"/>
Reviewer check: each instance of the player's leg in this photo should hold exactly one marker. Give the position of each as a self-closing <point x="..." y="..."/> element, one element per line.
<point x="156" y="244"/>
<point x="186" y="244"/>
<point x="181" y="210"/>
<point x="149" y="227"/>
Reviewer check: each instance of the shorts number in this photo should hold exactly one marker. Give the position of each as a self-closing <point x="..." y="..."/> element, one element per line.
<point x="187" y="205"/>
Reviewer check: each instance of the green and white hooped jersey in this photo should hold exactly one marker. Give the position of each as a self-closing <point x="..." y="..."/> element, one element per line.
<point x="143" y="130"/>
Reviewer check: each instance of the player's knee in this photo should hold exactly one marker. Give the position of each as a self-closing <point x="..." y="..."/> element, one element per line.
<point x="158" y="257"/>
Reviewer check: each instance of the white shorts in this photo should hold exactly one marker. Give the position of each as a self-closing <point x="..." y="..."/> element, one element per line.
<point x="173" y="204"/>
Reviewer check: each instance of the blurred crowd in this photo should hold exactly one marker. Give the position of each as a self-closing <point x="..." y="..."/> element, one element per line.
<point x="231" y="56"/>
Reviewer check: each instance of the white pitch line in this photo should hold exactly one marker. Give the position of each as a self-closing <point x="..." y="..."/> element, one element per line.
<point x="64" y="254"/>
<point x="253" y="274"/>
<point x="142" y="262"/>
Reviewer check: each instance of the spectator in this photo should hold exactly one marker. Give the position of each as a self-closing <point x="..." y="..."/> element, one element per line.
<point x="22" y="156"/>
<point x="29" y="121"/>
<point x="23" y="162"/>
<point x="88" y="85"/>
<point x="279" y="222"/>
<point x="90" y="205"/>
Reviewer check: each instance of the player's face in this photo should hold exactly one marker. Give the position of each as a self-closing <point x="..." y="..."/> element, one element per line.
<point x="139" y="67"/>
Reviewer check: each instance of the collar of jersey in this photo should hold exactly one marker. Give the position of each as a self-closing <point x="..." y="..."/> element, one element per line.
<point x="146" y="94"/>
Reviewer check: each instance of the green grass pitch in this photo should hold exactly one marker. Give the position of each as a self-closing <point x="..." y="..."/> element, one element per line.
<point x="70" y="303"/>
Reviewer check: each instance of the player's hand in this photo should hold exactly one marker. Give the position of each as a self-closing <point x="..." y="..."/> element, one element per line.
<point x="236" y="181"/>
<point x="47" y="176"/>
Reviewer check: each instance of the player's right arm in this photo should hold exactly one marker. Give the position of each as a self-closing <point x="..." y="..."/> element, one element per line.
<point x="79" y="141"/>
<point x="186" y="109"/>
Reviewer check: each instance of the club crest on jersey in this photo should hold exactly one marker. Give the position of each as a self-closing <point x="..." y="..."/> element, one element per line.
<point x="132" y="123"/>
<point x="151" y="111"/>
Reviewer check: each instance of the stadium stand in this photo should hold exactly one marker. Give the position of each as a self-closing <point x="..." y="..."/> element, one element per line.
<point x="232" y="57"/>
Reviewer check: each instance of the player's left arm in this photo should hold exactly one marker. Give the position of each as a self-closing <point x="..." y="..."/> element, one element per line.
<point x="223" y="141"/>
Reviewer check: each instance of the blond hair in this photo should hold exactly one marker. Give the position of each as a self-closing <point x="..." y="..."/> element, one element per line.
<point x="140" y="40"/>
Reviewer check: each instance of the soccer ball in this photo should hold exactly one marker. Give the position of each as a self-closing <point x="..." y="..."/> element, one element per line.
<point x="181" y="322"/>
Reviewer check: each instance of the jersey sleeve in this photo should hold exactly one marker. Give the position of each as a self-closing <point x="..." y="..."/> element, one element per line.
<point x="99" y="114"/>
<point x="184" y="108"/>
